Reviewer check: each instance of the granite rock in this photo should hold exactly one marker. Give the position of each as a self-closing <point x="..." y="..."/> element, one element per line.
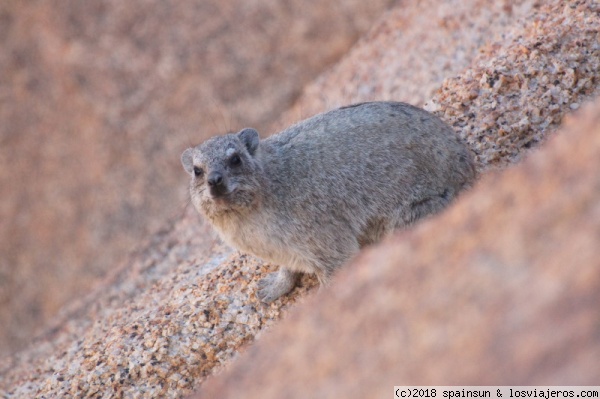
<point x="409" y="53"/>
<point x="518" y="90"/>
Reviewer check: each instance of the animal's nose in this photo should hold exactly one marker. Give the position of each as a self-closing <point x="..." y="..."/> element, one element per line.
<point x="215" y="179"/>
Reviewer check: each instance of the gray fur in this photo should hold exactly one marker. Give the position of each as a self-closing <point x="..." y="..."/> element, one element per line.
<point x="311" y="196"/>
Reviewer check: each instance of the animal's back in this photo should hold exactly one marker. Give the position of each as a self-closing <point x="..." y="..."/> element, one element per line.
<point x="367" y="165"/>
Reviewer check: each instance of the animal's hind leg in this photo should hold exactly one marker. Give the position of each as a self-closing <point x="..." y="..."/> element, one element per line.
<point x="373" y="232"/>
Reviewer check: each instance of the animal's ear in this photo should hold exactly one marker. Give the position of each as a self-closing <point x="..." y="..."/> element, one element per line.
<point x="250" y="138"/>
<point x="187" y="160"/>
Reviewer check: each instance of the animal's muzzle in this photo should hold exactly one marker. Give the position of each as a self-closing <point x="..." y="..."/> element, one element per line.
<point x="216" y="184"/>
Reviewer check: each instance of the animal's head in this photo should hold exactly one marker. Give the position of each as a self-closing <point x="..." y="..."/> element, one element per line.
<point x="225" y="174"/>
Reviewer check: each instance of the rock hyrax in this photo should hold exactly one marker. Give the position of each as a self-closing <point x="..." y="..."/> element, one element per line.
<point x="311" y="196"/>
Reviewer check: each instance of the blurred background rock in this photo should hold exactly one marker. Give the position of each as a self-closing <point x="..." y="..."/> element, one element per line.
<point x="98" y="99"/>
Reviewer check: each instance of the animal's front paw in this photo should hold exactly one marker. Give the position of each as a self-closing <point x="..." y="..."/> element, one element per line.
<point x="275" y="285"/>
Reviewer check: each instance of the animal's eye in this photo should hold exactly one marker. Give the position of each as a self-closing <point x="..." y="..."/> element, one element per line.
<point x="198" y="171"/>
<point x="235" y="160"/>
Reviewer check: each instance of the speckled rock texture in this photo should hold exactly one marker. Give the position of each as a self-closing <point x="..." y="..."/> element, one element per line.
<point x="97" y="101"/>
<point x="408" y="54"/>
<point x="520" y="88"/>
<point x="184" y="306"/>
<point x="502" y="289"/>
